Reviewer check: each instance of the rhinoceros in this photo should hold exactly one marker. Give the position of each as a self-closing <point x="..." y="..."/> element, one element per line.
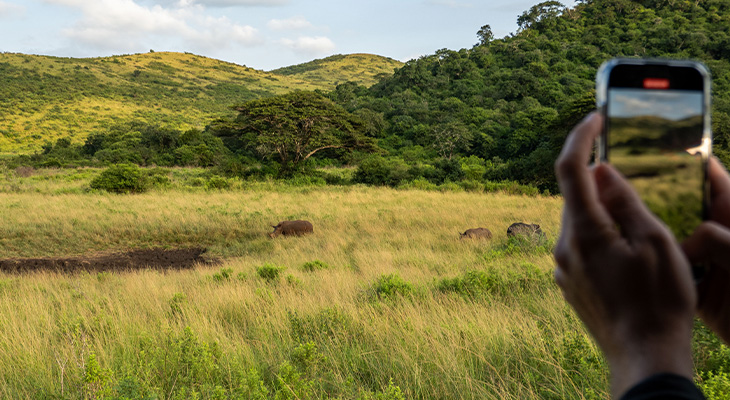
<point x="523" y="229"/>
<point x="292" y="228"/>
<point x="476" y="233"/>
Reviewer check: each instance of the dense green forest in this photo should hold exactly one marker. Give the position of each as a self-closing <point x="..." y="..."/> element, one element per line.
<point x="507" y="104"/>
<point x="498" y="111"/>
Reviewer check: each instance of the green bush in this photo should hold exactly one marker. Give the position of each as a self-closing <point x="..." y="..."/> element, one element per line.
<point x="121" y="178"/>
<point x="373" y="171"/>
<point x="390" y="287"/>
<point x="225" y="274"/>
<point x="315" y="265"/>
<point x="217" y="182"/>
<point x="510" y="187"/>
<point x="496" y="281"/>
<point x="269" y="272"/>
<point x="472" y="284"/>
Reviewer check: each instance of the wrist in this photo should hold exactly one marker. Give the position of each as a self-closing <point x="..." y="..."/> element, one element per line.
<point x="637" y="360"/>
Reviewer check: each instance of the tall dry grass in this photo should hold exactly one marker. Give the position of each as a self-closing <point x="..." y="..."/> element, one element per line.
<point x="518" y="342"/>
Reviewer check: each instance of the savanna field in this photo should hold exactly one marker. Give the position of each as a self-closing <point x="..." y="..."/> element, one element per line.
<point x="382" y="301"/>
<point x="389" y="161"/>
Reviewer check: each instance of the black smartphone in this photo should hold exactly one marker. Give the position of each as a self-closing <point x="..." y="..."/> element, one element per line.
<point x="657" y="134"/>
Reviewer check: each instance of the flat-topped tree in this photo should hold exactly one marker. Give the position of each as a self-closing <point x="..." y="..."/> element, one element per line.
<point x="295" y="126"/>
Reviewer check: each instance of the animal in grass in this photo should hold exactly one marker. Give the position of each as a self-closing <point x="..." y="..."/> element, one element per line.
<point x="523" y="229"/>
<point x="292" y="228"/>
<point x="476" y="233"/>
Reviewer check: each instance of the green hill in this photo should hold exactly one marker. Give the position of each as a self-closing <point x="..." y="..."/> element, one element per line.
<point x="505" y="105"/>
<point x="366" y="69"/>
<point x="45" y="98"/>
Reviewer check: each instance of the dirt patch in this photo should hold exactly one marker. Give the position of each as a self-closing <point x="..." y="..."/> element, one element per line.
<point x="159" y="259"/>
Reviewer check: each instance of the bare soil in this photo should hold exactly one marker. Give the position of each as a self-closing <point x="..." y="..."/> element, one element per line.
<point x="159" y="259"/>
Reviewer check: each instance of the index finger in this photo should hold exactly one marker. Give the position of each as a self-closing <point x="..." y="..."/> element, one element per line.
<point x="571" y="168"/>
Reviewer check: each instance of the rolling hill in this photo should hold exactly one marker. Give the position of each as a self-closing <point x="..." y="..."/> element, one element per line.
<point x="366" y="69"/>
<point x="44" y="98"/>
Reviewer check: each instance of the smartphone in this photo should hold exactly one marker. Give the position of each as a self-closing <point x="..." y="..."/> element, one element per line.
<point x="657" y="134"/>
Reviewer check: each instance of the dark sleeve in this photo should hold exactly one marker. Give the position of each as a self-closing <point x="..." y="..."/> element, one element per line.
<point x="665" y="387"/>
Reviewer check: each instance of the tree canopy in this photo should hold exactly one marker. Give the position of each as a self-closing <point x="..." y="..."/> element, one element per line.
<point x="296" y="126"/>
<point x="511" y="101"/>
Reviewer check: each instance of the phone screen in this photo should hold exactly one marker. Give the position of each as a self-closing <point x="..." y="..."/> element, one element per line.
<point x="655" y="137"/>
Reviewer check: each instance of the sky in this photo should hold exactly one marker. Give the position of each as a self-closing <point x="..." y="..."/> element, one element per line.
<point x="262" y="34"/>
<point x="674" y="105"/>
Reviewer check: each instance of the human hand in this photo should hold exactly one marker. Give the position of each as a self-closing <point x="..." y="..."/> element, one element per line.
<point x="710" y="245"/>
<point x="621" y="269"/>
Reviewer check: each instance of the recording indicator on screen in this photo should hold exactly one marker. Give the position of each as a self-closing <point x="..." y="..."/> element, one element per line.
<point x="656" y="83"/>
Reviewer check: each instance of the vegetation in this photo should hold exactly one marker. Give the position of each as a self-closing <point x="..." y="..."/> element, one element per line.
<point x="497" y="112"/>
<point x="390" y="279"/>
<point x="510" y="102"/>
<point x="363" y="68"/>
<point x="382" y="301"/>
<point x="43" y="99"/>
<point x="121" y="178"/>
<point x="293" y="127"/>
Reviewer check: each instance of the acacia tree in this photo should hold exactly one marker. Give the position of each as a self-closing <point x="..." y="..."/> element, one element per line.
<point x="295" y="126"/>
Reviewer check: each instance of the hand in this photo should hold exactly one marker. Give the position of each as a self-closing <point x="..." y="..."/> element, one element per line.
<point x="710" y="245"/>
<point x="621" y="269"/>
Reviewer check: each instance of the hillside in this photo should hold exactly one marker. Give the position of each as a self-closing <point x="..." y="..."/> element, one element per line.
<point x="506" y="105"/>
<point x="45" y="98"/>
<point x="366" y="69"/>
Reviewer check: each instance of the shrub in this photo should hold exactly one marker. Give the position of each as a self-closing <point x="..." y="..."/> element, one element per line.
<point x="217" y="182"/>
<point x="510" y="187"/>
<point x="292" y="280"/>
<point x="390" y="286"/>
<point x="420" y="183"/>
<point x="496" y="281"/>
<point x="520" y="244"/>
<point x="121" y="178"/>
<point x="269" y="272"/>
<point x="315" y="265"/>
<point x="373" y="171"/>
<point x="473" y="284"/>
<point x="224" y="275"/>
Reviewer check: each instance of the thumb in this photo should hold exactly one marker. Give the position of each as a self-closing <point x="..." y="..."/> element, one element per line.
<point x="623" y="203"/>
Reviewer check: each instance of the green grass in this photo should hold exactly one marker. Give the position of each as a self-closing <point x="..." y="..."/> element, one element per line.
<point x="382" y="301"/>
<point x="373" y="324"/>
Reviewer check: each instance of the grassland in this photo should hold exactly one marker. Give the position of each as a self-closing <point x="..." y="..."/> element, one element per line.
<point x="45" y="98"/>
<point x="383" y="301"/>
<point x="385" y="309"/>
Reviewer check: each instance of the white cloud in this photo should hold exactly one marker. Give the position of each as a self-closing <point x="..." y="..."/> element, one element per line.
<point x="221" y="3"/>
<point x="289" y="24"/>
<point x="229" y="3"/>
<point x="124" y="25"/>
<point x="311" y="46"/>
<point x="450" y="3"/>
<point x="10" y="9"/>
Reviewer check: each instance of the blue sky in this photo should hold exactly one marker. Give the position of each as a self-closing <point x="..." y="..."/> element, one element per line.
<point x="674" y="105"/>
<point x="263" y="34"/>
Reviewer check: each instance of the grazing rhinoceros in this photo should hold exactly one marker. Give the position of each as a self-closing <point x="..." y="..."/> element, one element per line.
<point x="476" y="233"/>
<point x="522" y="229"/>
<point x="292" y="228"/>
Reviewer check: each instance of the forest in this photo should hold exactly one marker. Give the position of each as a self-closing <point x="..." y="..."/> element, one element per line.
<point x="494" y="113"/>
